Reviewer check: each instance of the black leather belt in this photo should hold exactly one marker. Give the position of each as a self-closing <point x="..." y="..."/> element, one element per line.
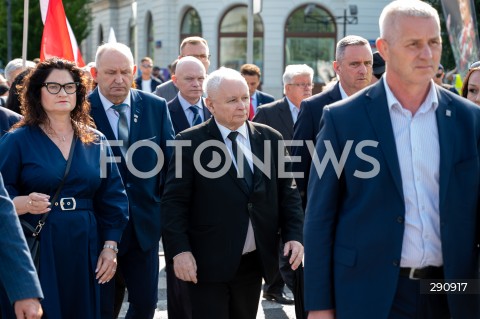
<point x="429" y="272"/>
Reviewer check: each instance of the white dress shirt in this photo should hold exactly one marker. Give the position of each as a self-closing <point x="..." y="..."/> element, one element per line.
<point x="418" y="150"/>
<point x="293" y="110"/>
<point x="243" y="141"/>
<point x="113" y="115"/>
<point x="186" y="108"/>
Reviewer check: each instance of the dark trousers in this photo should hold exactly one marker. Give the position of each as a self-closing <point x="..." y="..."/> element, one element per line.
<point x="139" y="270"/>
<point x="284" y="275"/>
<point x="410" y="304"/>
<point x="178" y="295"/>
<point x="235" y="299"/>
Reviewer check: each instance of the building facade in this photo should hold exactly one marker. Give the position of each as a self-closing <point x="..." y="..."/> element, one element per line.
<point x="285" y="31"/>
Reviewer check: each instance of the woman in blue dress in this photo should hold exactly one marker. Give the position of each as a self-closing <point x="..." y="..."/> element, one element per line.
<point x="77" y="247"/>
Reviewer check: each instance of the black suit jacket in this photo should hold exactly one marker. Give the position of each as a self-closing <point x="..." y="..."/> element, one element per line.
<point x="179" y="119"/>
<point x="153" y="85"/>
<point x="209" y="216"/>
<point x="306" y="129"/>
<point x="7" y="119"/>
<point x="277" y="115"/>
<point x="150" y="123"/>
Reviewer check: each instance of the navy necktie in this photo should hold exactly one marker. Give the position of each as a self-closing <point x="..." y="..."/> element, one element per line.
<point x="122" y="133"/>
<point x="196" y="115"/>
<point x="246" y="170"/>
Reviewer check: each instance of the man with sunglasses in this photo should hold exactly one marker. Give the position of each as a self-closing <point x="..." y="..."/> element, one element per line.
<point x="146" y="81"/>
<point x="438" y="79"/>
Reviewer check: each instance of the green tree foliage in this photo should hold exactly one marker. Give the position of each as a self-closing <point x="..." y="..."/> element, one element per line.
<point x="78" y="14"/>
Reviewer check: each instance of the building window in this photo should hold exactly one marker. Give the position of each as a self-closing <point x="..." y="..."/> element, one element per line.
<point x="150" y="38"/>
<point x="191" y="24"/>
<point x="233" y="39"/>
<point x="310" y="38"/>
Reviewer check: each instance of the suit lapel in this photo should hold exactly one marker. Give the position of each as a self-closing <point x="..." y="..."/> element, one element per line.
<point x="179" y="118"/>
<point x="382" y="125"/>
<point x="446" y="125"/>
<point x="285" y="116"/>
<point x="135" y="116"/>
<point x="256" y="145"/>
<point x="206" y="112"/>
<point x="232" y="171"/>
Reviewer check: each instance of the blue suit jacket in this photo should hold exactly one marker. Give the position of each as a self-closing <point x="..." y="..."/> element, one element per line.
<point x="7" y="119"/>
<point x="17" y="273"/>
<point x="306" y="129"/>
<point x="263" y="98"/>
<point x="179" y="119"/>
<point x="354" y="226"/>
<point x="150" y="122"/>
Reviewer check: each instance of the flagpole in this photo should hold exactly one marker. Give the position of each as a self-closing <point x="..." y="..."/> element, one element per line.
<point x="25" y="32"/>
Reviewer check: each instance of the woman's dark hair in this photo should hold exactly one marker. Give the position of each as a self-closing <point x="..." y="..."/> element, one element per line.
<point x="467" y="79"/>
<point x="30" y="98"/>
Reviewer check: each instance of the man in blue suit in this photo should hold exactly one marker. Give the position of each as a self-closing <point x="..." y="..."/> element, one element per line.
<point x="252" y="75"/>
<point x="139" y="120"/>
<point x="402" y="209"/>
<point x="17" y="273"/>
<point x="353" y="66"/>
<point x="188" y="108"/>
<point x="7" y="119"/>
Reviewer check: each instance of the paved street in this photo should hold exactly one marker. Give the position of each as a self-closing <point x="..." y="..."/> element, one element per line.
<point x="266" y="309"/>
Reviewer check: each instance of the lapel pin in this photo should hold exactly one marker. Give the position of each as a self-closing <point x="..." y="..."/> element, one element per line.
<point x="135" y="118"/>
<point x="448" y="113"/>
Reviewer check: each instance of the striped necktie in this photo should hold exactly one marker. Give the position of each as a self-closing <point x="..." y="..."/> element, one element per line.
<point x="196" y="115"/>
<point x="122" y="133"/>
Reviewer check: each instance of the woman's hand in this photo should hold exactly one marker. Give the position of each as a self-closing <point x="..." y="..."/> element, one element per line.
<point x="34" y="203"/>
<point x="107" y="263"/>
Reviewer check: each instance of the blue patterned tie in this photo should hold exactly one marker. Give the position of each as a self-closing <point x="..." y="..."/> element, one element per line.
<point x="122" y="133"/>
<point x="196" y="115"/>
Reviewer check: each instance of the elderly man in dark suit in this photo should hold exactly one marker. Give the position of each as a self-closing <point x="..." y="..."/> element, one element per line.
<point x="140" y="124"/>
<point x="221" y="218"/>
<point x="281" y="115"/>
<point x="18" y="278"/>
<point x="7" y="119"/>
<point x="187" y="109"/>
<point x="402" y="210"/>
<point x="353" y="66"/>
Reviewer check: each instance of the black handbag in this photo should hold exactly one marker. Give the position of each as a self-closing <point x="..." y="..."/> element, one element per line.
<point x="32" y="234"/>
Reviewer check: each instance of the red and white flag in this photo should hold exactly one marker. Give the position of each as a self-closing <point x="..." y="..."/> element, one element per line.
<point x="58" y="39"/>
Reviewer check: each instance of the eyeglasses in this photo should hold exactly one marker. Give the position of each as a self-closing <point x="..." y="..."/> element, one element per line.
<point x="54" y="87"/>
<point x="200" y="56"/>
<point x="148" y="66"/>
<point x="475" y="65"/>
<point x="302" y="85"/>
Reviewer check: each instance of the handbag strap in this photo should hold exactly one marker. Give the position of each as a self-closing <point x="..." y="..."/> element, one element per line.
<point x="41" y="222"/>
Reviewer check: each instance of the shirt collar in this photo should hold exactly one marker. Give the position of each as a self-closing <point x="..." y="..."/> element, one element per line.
<point x="292" y="106"/>
<point x="242" y="130"/>
<point x="342" y="91"/>
<point x="185" y="104"/>
<point x="107" y="104"/>
<point x="431" y="101"/>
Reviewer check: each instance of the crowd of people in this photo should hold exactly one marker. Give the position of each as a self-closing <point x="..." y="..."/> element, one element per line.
<point x="360" y="193"/>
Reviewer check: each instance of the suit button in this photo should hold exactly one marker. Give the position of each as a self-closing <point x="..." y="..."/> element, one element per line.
<point x="250" y="206"/>
<point x="400" y="219"/>
<point x="396" y="263"/>
<point x="128" y="185"/>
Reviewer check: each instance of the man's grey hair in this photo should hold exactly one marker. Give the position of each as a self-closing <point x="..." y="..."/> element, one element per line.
<point x="404" y="8"/>
<point x="117" y="46"/>
<point x="294" y="70"/>
<point x="214" y="80"/>
<point x="348" y="41"/>
<point x="14" y="65"/>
